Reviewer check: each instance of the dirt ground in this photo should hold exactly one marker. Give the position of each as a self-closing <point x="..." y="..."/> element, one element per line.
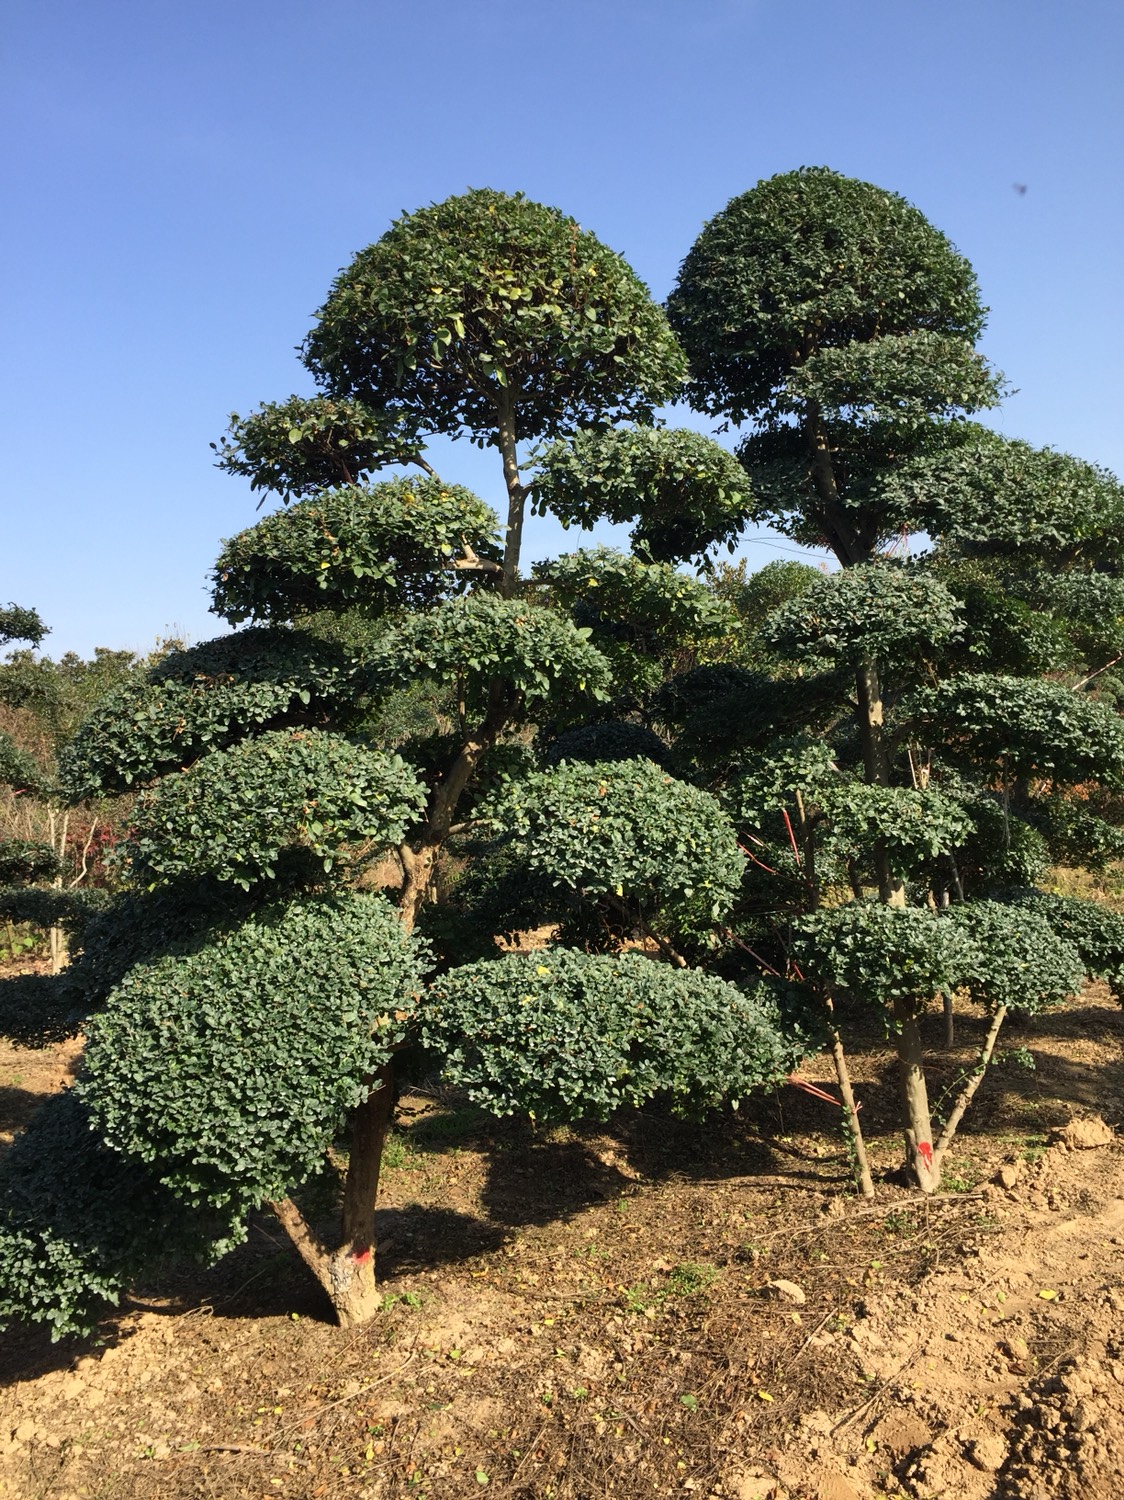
<point x="645" y="1309"/>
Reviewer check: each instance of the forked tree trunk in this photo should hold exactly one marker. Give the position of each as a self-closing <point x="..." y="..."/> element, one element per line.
<point x="347" y="1273"/>
<point x="419" y="863"/>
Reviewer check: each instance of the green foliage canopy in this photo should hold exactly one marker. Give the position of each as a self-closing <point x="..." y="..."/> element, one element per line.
<point x="685" y="492"/>
<point x="228" y="1070"/>
<point x="387" y="545"/>
<point x="22" y="771"/>
<point x="883" y="953"/>
<point x="891" y="386"/>
<point x="235" y="812"/>
<point x="311" y="443"/>
<point x="878" y="611"/>
<point x="1094" y="929"/>
<point x="914" y="825"/>
<point x="20" y="624"/>
<point x="79" y="1222"/>
<point x="641" y="614"/>
<point x="469" y="643"/>
<point x="606" y="741"/>
<point x="23" y="861"/>
<point x="807" y="261"/>
<point x="1020" y="960"/>
<point x="1022" y="727"/>
<point x="569" y="1036"/>
<point x="206" y="698"/>
<point x="486" y="294"/>
<point x="628" y="829"/>
<point x="1000" y="497"/>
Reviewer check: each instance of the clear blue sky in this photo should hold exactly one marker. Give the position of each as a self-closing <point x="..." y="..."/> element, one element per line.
<point x="181" y="183"/>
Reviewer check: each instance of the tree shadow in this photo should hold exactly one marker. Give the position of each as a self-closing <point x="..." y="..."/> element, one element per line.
<point x="422" y="1237"/>
<point x="17" y="1106"/>
<point x="27" y="1353"/>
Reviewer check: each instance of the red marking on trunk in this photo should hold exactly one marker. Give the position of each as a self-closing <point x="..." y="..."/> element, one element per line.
<point x="362" y="1255"/>
<point x="925" y="1151"/>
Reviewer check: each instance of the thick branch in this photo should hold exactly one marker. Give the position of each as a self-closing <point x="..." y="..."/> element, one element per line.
<point x="843" y="1076"/>
<point x="671" y="954"/>
<point x="307" y="1244"/>
<point x="841" y="535"/>
<point x="443" y="803"/>
<point x="86" y="847"/>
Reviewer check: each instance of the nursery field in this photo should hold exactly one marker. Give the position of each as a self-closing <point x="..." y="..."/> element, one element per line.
<point x="648" y="1308"/>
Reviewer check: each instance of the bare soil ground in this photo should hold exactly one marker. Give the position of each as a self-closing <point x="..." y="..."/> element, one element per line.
<point x="643" y="1309"/>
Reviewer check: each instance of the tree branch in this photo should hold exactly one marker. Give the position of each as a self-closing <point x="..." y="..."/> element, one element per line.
<point x="967" y="1093"/>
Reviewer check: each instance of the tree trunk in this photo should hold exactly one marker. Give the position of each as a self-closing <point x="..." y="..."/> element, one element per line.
<point x="920" y="1161"/>
<point x="516" y="493"/>
<point x="868" y="687"/>
<point x="419" y="863"/>
<point x="839" y="533"/>
<point x="949" y="1021"/>
<point x="56" y="937"/>
<point x="347" y="1273"/>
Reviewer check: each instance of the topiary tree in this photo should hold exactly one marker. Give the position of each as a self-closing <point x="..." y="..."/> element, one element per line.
<point x="835" y="326"/>
<point x="390" y="694"/>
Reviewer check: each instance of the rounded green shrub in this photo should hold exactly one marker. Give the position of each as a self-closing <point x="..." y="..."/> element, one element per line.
<point x="1023" y="727"/>
<point x="536" y="654"/>
<point x="228" y="1070"/>
<point x="875" y="612"/>
<point x="628" y="829"/>
<point x="883" y="954"/>
<point x="205" y="699"/>
<point x="23" y="861"/>
<point x="79" y="1222"/>
<point x="376" y="547"/>
<point x="688" y="492"/>
<point x="235" y="812"/>
<point x="564" y="1035"/>
<point x="1019" y="959"/>
<point x="1095" y="931"/>
<point x="613" y="740"/>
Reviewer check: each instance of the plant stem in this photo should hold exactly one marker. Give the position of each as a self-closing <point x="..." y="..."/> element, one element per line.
<point x="843" y="1076"/>
<point x="967" y="1093"/>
